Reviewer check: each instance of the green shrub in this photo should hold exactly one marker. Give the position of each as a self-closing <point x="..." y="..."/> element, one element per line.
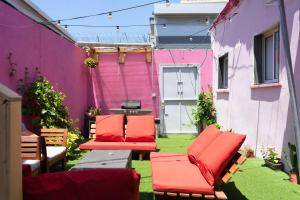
<point x="47" y="105"/>
<point x="204" y="113"/>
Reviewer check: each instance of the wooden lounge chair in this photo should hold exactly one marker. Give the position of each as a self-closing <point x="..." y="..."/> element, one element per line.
<point x="55" y="147"/>
<point x="31" y="153"/>
<point x="211" y="160"/>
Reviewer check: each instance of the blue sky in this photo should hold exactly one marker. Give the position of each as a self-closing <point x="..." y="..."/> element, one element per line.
<point x="59" y="9"/>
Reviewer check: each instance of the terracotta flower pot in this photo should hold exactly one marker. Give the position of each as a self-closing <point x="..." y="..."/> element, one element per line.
<point x="294" y="178"/>
<point x="250" y="154"/>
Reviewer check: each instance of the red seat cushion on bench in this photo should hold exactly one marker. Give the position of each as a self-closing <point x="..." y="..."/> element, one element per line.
<point x="216" y="156"/>
<point x="109" y="184"/>
<point x="142" y="146"/>
<point x="175" y="173"/>
<point x="140" y="129"/>
<point x="109" y="128"/>
<point x="205" y="138"/>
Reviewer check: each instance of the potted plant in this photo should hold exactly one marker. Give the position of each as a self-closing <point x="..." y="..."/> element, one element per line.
<point x="90" y="62"/>
<point x="291" y="158"/>
<point x="204" y="113"/>
<point x="93" y="111"/>
<point x="271" y="158"/>
<point x="249" y="152"/>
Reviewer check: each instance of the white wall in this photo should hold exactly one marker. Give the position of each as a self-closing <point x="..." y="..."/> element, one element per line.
<point x="261" y="113"/>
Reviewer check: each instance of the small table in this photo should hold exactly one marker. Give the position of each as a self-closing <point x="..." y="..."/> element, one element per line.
<point x="105" y="159"/>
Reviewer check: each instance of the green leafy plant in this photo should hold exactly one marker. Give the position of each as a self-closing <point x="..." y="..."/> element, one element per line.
<point x="204" y="113"/>
<point x="270" y="155"/>
<point x="47" y="105"/>
<point x="90" y="62"/>
<point x="291" y="158"/>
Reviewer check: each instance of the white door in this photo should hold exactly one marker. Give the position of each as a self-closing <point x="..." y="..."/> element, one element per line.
<point x="179" y="88"/>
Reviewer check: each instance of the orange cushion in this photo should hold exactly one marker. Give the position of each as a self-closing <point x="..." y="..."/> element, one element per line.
<point x="175" y="173"/>
<point x="140" y="129"/>
<point x="141" y="146"/>
<point x="205" y="138"/>
<point x="216" y="156"/>
<point x="109" y="128"/>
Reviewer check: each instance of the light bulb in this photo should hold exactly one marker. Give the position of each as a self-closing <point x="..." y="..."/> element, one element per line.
<point x="167" y="3"/>
<point x="118" y="29"/>
<point x="207" y="21"/>
<point x="191" y="38"/>
<point x="66" y="27"/>
<point x="110" y="15"/>
<point x="164" y="25"/>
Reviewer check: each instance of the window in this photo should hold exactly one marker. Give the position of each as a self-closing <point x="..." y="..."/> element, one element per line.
<point x="223" y="72"/>
<point x="266" y="53"/>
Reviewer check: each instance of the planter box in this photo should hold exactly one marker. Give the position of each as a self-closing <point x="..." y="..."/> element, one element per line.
<point x="274" y="166"/>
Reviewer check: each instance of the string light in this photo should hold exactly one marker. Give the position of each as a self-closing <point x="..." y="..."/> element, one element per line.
<point x="164" y="26"/>
<point x="113" y="11"/>
<point x="66" y="27"/>
<point x="118" y="28"/>
<point x="207" y="21"/>
<point x="109" y="15"/>
<point x="167" y="3"/>
<point x="191" y="38"/>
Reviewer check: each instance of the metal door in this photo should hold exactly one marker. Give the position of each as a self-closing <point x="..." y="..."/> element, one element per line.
<point x="178" y="90"/>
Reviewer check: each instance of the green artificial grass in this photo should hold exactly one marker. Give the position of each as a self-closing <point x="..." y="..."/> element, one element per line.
<point x="252" y="182"/>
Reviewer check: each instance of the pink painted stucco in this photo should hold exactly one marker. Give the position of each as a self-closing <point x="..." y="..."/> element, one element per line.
<point x="32" y="45"/>
<point x="264" y="114"/>
<point x="114" y="82"/>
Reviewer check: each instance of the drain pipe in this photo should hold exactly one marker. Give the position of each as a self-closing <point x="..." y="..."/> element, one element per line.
<point x="290" y="76"/>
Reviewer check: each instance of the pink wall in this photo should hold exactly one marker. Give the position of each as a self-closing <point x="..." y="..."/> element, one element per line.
<point x="33" y="46"/>
<point x="114" y="82"/>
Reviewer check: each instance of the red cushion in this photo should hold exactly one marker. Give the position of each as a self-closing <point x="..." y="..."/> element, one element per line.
<point x="110" y="128"/>
<point x="89" y="185"/>
<point x="216" y="156"/>
<point x="175" y="173"/>
<point x="205" y="138"/>
<point x="140" y="129"/>
<point x="142" y="146"/>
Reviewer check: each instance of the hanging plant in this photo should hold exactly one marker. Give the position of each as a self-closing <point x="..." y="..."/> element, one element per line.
<point x="90" y="62"/>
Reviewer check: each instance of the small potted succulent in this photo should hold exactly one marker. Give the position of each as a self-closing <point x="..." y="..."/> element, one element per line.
<point x="90" y="62"/>
<point x="271" y="158"/>
<point x="291" y="158"/>
<point x="249" y="152"/>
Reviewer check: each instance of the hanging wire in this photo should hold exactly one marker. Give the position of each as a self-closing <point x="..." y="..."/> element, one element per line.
<point x="109" y="12"/>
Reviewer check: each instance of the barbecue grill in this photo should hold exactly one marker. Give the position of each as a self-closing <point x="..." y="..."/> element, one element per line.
<point x="131" y="107"/>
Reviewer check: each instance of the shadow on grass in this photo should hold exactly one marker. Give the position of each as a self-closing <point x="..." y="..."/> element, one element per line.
<point x="146" y="196"/>
<point x="232" y="192"/>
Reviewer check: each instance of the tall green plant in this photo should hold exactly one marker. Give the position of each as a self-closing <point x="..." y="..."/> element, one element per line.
<point x="204" y="113"/>
<point x="47" y="105"/>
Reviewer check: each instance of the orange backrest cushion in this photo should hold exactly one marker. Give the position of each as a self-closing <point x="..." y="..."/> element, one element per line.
<point x="140" y="128"/>
<point x="110" y="128"/>
<point x="218" y="154"/>
<point x="204" y="139"/>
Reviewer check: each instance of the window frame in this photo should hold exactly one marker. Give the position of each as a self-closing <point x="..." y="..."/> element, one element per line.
<point x="271" y="32"/>
<point x="222" y="84"/>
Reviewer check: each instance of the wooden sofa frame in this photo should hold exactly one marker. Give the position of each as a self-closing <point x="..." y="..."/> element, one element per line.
<point x="226" y="175"/>
<point x="93" y="136"/>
